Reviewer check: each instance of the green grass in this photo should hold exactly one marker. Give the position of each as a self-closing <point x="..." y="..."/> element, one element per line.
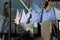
<point x="35" y="30"/>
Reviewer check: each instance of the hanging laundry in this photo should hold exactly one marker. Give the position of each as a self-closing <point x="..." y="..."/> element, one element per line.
<point x="18" y="17"/>
<point x="48" y="15"/>
<point x="59" y="25"/>
<point x="57" y="12"/>
<point x="5" y="26"/>
<point x="25" y="17"/>
<point x="35" y="25"/>
<point x="36" y="16"/>
<point x="1" y="22"/>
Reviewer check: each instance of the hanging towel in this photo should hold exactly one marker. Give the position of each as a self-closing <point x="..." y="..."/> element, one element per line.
<point x="25" y="17"/>
<point x="57" y="12"/>
<point x="18" y="17"/>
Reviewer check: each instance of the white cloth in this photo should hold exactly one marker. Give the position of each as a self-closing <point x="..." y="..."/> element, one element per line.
<point x="29" y="26"/>
<point x="59" y="25"/>
<point x="18" y="17"/>
<point x="57" y="12"/>
<point x="25" y="17"/>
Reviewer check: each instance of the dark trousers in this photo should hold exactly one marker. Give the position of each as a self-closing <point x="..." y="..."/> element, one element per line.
<point x="5" y="36"/>
<point x="39" y="29"/>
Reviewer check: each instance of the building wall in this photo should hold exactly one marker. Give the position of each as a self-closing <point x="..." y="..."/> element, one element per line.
<point x="56" y="4"/>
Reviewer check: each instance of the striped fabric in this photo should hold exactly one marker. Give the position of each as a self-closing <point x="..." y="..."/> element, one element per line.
<point x="5" y="26"/>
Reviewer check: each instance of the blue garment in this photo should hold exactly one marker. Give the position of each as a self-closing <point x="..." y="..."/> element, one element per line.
<point x="54" y="38"/>
<point x="1" y="22"/>
<point x="5" y="26"/>
<point x="35" y="16"/>
<point x="48" y="15"/>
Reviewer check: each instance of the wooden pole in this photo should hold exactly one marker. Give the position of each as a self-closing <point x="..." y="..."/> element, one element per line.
<point x="10" y="22"/>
